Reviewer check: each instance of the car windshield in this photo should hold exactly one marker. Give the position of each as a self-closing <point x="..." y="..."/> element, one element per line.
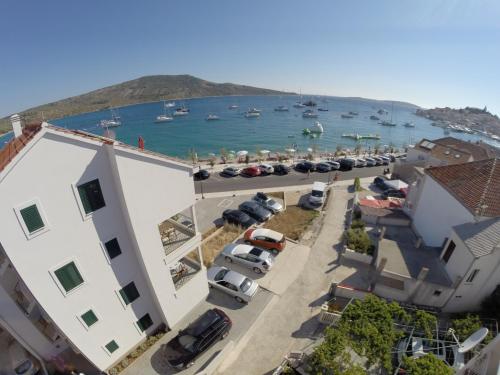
<point x="220" y="275"/>
<point x="317" y="193"/>
<point x="271" y="202"/>
<point x="23" y="367"/>
<point x="202" y="323"/>
<point x="256" y="251"/>
<point x="245" y="285"/>
<point x="187" y="342"/>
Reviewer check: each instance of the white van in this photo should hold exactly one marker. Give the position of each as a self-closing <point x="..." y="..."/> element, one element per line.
<point x="318" y="194"/>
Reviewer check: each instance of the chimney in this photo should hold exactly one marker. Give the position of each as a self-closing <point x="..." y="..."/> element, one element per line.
<point x="16" y="125"/>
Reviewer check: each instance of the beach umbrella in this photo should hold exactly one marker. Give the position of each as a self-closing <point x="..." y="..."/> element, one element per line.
<point x="265" y="152"/>
<point x="290" y="150"/>
<point x="211" y="154"/>
<point x="309" y="149"/>
<point x="242" y="153"/>
<point x="232" y="152"/>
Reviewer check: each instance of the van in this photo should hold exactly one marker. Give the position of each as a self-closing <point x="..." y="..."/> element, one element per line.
<point x="318" y="193"/>
<point x="347" y="164"/>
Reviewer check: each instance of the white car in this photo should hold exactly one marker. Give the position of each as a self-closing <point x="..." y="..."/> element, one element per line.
<point x="360" y="163"/>
<point x="268" y="203"/>
<point x="370" y="162"/>
<point x="259" y="260"/>
<point x="266" y="168"/>
<point x="233" y="283"/>
<point x="231" y="171"/>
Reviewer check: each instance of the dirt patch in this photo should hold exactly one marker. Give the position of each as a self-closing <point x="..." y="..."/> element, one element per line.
<point x="212" y="248"/>
<point x="293" y="222"/>
<point x="277" y="194"/>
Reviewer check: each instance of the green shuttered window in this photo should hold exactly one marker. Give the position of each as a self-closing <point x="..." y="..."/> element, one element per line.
<point x="113" y="248"/>
<point x="129" y="293"/>
<point x="145" y="322"/>
<point x="69" y="276"/>
<point x="111" y="346"/>
<point x="89" y="318"/>
<point x="32" y="218"/>
<point x="91" y="196"/>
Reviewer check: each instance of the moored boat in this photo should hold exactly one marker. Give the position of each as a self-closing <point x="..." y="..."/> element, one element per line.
<point x="281" y="108"/>
<point x="373" y="117"/>
<point x="343" y="115"/>
<point x="309" y="114"/>
<point x="387" y="123"/>
<point x="212" y="117"/>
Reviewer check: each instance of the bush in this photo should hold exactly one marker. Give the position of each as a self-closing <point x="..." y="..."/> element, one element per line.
<point x="356" y="215"/>
<point x="357" y="184"/>
<point x="358" y="224"/>
<point x="358" y="240"/>
<point x="426" y="365"/>
<point x="466" y="326"/>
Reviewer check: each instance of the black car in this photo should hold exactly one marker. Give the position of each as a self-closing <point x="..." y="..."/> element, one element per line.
<point x="380" y="182"/>
<point x="199" y="336"/>
<point x="393" y="193"/>
<point x="323" y="167"/>
<point x="238" y="217"/>
<point x="346" y="164"/>
<point x="255" y="210"/>
<point x="305" y="166"/>
<point x="202" y="174"/>
<point x="281" y="169"/>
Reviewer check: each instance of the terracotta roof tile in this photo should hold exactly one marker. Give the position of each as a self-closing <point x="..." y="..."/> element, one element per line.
<point x="15" y="145"/>
<point x="478" y="150"/>
<point x="476" y="185"/>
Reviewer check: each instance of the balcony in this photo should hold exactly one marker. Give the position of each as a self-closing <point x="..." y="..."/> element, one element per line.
<point x="176" y="231"/>
<point x="184" y="269"/>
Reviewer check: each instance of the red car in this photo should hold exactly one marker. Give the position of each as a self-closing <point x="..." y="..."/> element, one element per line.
<point x="266" y="239"/>
<point x="251" y="171"/>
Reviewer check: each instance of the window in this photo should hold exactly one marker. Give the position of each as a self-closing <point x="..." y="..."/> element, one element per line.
<point x="68" y="276"/>
<point x="91" y="196"/>
<point x="129" y="293"/>
<point x="472" y="276"/>
<point x="89" y="318"/>
<point x="113" y="248"/>
<point x="111" y="346"/>
<point x="449" y="251"/>
<point x="32" y="218"/>
<point x="437" y="293"/>
<point x="145" y="322"/>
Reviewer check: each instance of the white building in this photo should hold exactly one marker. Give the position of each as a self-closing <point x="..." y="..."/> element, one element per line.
<point x="98" y="246"/>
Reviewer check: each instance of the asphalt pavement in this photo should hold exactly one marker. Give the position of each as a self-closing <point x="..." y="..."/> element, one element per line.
<point x="218" y="183"/>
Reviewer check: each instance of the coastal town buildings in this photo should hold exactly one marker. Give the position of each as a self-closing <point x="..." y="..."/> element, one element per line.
<point x="99" y="244"/>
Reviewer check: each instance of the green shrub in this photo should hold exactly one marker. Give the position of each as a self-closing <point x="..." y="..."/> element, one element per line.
<point x="358" y="224"/>
<point x="358" y="240"/>
<point x="426" y="365"/>
<point x="356" y="215"/>
<point x="357" y="184"/>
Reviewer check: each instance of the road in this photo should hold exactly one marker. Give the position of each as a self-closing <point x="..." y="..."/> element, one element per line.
<point x="217" y="183"/>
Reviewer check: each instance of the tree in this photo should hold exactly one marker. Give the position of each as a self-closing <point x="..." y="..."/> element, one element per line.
<point x="357" y="184"/>
<point x="426" y="323"/>
<point x="466" y="326"/>
<point x="247" y="159"/>
<point x="358" y="240"/>
<point x="428" y="364"/>
<point x="224" y="155"/>
<point x="193" y="156"/>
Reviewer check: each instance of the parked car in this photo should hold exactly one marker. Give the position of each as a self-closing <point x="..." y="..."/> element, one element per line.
<point x="392" y="157"/>
<point x="335" y="165"/>
<point x="380" y="182"/>
<point x="378" y="161"/>
<point x="268" y="203"/>
<point x="238" y="217"/>
<point x="22" y="363"/>
<point x="318" y="193"/>
<point x="385" y="160"/>
<point x="281" y="169"/>
<point x="323" y="167"/>
<point x="393" y="193"/>
<point x="266" y="238"/>
<point x="202" y="174"/>
<point x="370" y="162"/>
<point x="233" y="283"/>
<point x="230" y="171"/>
<point x="360" y="163"/>
<point x="347" y="164"/>
<point x="251" y="171"/>
<point x="266" y="169"/>
<point x="183" y="349"/>
<point x="255" y="210"/>
<point x="305" y="166"/>
<point x="259" y="260"/>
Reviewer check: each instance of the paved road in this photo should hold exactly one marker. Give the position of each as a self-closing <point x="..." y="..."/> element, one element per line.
<point x="217" y="183"/>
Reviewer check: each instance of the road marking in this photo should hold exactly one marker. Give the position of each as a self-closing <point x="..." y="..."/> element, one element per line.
<point x="225" y="203"/>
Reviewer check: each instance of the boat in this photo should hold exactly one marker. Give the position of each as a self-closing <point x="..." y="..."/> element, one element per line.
<point x="113" y="123"/>
<point x="250" y="114"/>
<point x="309" y="113"/>
<point x="409" y="125"/>
<point x="343" y="115"/>
<point x="233" y="106"/>
<point x="358" y="137"/>
<point x="382" y="112"/>
<point x="299" y="105"/>
<point x="169" y="105"/>
<point x="212" y="117"/>
<point x="353" y="113"/>
<point x="310" y="103"/>
<point x="387" y="123"/>
<point x="181" y="111"/>
<point x="323" y="109"/>
<point x="281" y="108"/>
<point x="164" y="117"/>
<point x="254" y="110"/>
<point x="373" y="117"/>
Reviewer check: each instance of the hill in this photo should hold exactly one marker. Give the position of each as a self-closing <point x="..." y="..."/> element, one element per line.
<point x="140" y="90"/>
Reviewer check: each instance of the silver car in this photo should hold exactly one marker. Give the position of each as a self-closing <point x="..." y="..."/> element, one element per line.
<point x="231" y="171"/>
<point x="259" y="260"/>
<point x="268" y="203"/>
<point x="233" y="283"/>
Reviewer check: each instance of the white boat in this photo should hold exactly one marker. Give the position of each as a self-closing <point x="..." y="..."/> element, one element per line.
<point x="170" y="105"/>
<point x="409" y="125"/>
<point x="233" y="106"/>
<point x="254" y="110"/>
<point x="299" y="105"/>
<point x="252" y="114"/>
<point x="163" y="118"/>
<point x="309" y="114"/>
<point x="181" y="111"/>
<point x="281" y="108"/>
<point x="110" y="123"/>
<point x="316" y="128"/>
<point x="212" y="117"/>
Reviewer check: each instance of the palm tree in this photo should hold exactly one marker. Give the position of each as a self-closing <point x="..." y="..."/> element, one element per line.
<point x="357" y="148"/>
<point x="193" y="156"/>
<point x="224" y="155"/>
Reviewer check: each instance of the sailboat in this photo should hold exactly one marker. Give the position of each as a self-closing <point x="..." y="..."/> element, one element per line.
<point x="164" y="117"/>
<point x="389" y="123"/>
<point x="299" y="104"/>
<point x="113" y="123"/>
<point x="169" y="104"/>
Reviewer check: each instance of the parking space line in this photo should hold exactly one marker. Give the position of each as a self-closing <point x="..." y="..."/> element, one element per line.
<point x="225" y="203"/>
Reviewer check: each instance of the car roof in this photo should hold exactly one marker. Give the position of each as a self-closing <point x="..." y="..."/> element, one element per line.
<point x="203" y="322"/>
<point x="234" y="278"/>
<point x="236" y="249"/>
<point x="267" y="233"/>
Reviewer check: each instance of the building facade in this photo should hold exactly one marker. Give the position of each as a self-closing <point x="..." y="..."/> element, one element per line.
<point x="99" y="246"/>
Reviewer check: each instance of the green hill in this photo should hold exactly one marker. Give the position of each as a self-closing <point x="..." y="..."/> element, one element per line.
<point x="140" y="90"/>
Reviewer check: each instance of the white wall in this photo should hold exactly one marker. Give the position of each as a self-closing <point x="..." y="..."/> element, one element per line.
<point x="436" y="212"/>
<point x="46" y="173"/>
<point x="460" y="260"/>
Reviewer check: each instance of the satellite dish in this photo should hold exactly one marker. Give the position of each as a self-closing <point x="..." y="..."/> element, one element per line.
<point x="473" y="340"/>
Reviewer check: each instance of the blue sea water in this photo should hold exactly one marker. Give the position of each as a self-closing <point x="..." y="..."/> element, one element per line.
<point x="273" y="131"/>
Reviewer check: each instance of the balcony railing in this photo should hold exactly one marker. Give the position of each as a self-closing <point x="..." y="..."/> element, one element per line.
<point x="175" y="232"/>
<point x="183" y="271"/>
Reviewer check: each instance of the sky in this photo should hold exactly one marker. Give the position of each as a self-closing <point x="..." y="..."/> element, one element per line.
<point x="427" y="52"/>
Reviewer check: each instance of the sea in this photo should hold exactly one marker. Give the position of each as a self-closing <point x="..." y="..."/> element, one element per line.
<point x="273" y="131"/>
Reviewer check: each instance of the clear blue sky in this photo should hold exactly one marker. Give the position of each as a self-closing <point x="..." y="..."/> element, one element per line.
<point x="429" y="52"/>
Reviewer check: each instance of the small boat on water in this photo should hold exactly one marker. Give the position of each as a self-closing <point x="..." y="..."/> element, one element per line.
<point x="113" y="123"/>
<point x="299" y="105"/>
<point x="163" y="118"/>
<point x="382" y="112"/>
<point x="409" y="125"/>
<point x="387" y="123"/>
<point x="373" y="117"/>
<point x="170" y="105"/>
<point x="358" y="137"/>
<point x="309" y="114"/>
<point x="343" y="115"/>
<point x="323" y="109"/>
<point x="281" y="108"/>
<point x="310" y="103"/>
<point x="212" y="117"/>
<point x="353" y="113"/>
<point x="233" y="106"/>
<point x="181" y="111"/>
<point x="254" y="110"/>
<point x="250" y="114"/>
